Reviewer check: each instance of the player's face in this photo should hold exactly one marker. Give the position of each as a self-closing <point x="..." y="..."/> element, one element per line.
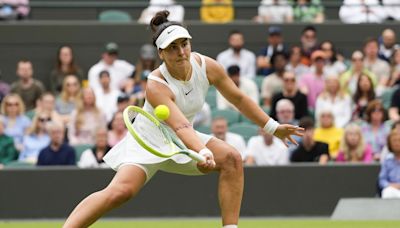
<point x="177" y="53"/>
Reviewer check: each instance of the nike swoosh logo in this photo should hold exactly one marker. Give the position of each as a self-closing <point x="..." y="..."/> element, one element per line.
<point x="168" y="32"/>
<point x="188" y="92"/>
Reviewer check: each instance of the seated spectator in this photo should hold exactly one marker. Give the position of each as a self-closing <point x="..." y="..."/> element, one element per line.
<point x="388" y="44"/>
<point x="236" y="54"/>
<point x="14" y="9"/>
<point x="285" y="110"/>
<point x="385" y="153"/>
<point x="28" y="88"/>
<point x="392" y="8"/>
<point x="36" y="138"/>
<point x="46" y="104"/>
<point x="274" y="45"/>
<point x="295" y="65"/>
<point x="266" y="149"/>
<point x="58" y="152"/>
<point x="364" y="94"/>
<point x="65" y="65"/>
<point x="310" y="150"/>
<point x="85" y="119"/>
<point x="69" y="97"/>
<point x="8" y="152"/>
<point x="313" y="83"/>
<point x="274" y="11"/>
<point x="123" y="101"/>
<point x="333" y="65"/>
<point x="4" y="88"/>
<point x="335" y="99"/>
<point x="93" y="158"/>
<point x="246" y="85"/>
<point x="15" y="122"/>
<point x="177" y="12"/>
<point x="106" y="96"/>
<point x="273" y="83"/>
<point x="375" y="130"/>
<point x="308" y="11"/>
<point x="328" y="133"/>
<point x="203" y="118"/>
<point x="217" y="11"/>
<point x="395" y="69"/>
<point x="389" y="178"/>
<point x="353" y="147"/>
<point x="309" y="43"/>
<point x="219" y="129"/>
<point x="349" y="79"/>
<point x="290" y="92"/>
<point x="395" y="106"/>
<point x="361" y="11"/>
<point x="118" y="129"/>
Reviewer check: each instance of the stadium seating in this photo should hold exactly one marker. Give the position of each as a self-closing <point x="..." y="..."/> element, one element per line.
<point x="230" y="115"/>
<point x="114" y="16"/>
<point x="79" y="149"/>
<point x="246" y="130"/>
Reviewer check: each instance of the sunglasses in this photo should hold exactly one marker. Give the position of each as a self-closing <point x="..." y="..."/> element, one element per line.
<point x="44" y="119"/>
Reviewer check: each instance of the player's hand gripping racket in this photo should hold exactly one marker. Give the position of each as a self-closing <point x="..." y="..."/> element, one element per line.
<point x="160" y="142"/>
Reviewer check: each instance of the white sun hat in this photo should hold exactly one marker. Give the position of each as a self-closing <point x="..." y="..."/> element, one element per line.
<point x="170" y="34"/>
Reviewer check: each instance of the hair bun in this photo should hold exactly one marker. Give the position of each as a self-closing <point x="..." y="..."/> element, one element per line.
<point x="158" y="19"/>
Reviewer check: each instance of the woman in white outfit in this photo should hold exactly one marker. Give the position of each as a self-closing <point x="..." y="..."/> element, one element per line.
<point x="181" y="83"/>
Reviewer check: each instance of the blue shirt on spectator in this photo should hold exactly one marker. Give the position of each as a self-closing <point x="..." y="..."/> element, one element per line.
<point x="390" y="172"/>
<point x="32" y="144"/>
<point x="64" y="156"/>
<point x="17" y="130"/>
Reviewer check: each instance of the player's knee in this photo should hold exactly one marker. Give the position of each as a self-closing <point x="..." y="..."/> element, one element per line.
<point x="118" y="195"/>
<point x="232" y="160"/>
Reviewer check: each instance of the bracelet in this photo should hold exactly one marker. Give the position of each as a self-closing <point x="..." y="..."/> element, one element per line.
<point x="271" y="126"/>
<point x="205" y="151"/>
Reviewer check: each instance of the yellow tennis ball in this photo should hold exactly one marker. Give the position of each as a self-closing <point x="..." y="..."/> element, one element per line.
<point x="161" y="112"/>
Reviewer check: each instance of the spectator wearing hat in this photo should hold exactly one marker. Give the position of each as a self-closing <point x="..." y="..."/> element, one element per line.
<point x="106" y="96"/>
<point x="120" y="70"/>
<point x="274" y="44"/>
<point x="274" y="11"/>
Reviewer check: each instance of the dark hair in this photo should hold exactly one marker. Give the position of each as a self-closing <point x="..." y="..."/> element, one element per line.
<point x="358" y="93"/>
<point x="104" y="72"/>
<point x="372" y="105"/>
<point x="306" y="123"/>
<point x="160" y="22"/>
<point x="233" y="70"/>
<point x="395" y="124"/>
<point x="276" y="54"/>
<point x="391" y="134"/>
<point x="334" y="52"/>
<point x="72" y="67"/>
<point x="309" y="28"/>
<point x="371" y="40"/>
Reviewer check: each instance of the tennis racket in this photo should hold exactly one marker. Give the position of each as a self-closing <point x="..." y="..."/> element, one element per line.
<point x="153" y="136"/>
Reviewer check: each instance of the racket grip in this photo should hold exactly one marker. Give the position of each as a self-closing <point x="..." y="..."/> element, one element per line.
<point x="197" y="157"/>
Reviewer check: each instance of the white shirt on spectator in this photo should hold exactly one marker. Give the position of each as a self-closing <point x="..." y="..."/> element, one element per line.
<point x="246" y="61"/>
<point x="107" y="102"/>
<point x="237" y="141"/>
<point x="276" y="13"/>
<point x="355" y="12"/>
<point x="119" y="71"/>
<point x="177" y="12"/>
<point x="340" y="106"/>
<point x="275" y="154"/>
<point x="88" y="160"/>
<point x="392" y="8"/>
<point x="247" y="86"/>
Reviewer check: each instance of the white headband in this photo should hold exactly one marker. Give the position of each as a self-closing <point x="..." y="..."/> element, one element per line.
<point x="170" y="34"/>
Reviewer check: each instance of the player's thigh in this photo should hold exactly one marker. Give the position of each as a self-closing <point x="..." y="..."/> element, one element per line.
<point x="128" y="180"/>
<point x="224" y="154"/>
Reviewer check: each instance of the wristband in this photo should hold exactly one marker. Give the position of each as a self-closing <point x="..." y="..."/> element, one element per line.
<point x="205" y="152"/>
<point x="271" y="126"/>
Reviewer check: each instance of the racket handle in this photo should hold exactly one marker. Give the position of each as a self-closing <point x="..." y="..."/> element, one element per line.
<point x="196" y="156"/>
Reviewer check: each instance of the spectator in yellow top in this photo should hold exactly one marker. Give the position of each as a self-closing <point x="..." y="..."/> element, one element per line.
<point x="217" y="11"/>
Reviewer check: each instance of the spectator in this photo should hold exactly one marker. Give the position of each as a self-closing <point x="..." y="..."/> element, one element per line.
<point x="85" y="119"/>
<point x="27" y="87"/>
<point x="93" y="158"/>
<point x="106" y="96"/>
<point x="14" y="9"/>
<point x="395" y="69"/>
<point x="375" y="129"/>
<point x="333" y="65"/>
<point x="69" y="97"/>
<point x="4" y="88"/>
<point x="364" y="94"/>
<point x="309" y="43"/>
<point x="334" y="98"/>
<point x="274" y="11"/>
<point x="65" y="65"/>
<point x="313" y="83"/>
<point x="273" y="83"/>
<point x="291" y="92"/>
<point x="379" y="67"/>
<point x="219" y="129"/>
<point x="236" y="54"/>
<point x="389" y="178"/>
<point x="217" y="11"/>
<point x="8" y="152"/>
<point x="308" y="11"/>
<point x="246" y="85"/>
<point x="58" y="152"/>
<point x="310" y="150"/>
<point x="203" y="118"/>
<point x="265" y="150"/>
<point x="328" y="133"/>
<point x="123" y="101"/>
<point x="285" y="112"/>
<point x="46" y="104"/>
<point x="177" y="12"/>
<point x="36" y="138"/>
<point x="274" y="45"/>
<point x="15" y="122"/>
<point x="388" y="44"/>
<point x="118" y="129"/>
<point x="349" y="79"/>
<point x="392" y="8"/>
<point x="120" y="70"/>
<point x="361" y="11"/>
<point x="353" y="147"/>
<point x="295" y="65"/>
<point x="385" y="153"/>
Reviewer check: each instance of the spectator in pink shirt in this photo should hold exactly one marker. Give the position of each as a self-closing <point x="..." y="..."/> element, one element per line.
<point x="353" y="147"/>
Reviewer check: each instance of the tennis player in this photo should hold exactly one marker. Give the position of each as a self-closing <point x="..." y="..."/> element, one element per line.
<point x="181" y="83"/>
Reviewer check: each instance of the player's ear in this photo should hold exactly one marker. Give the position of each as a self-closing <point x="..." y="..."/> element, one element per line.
<point x="160" y="54"/>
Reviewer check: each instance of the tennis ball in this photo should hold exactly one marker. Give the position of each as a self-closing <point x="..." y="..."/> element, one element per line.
<point x="161" y="112"/>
